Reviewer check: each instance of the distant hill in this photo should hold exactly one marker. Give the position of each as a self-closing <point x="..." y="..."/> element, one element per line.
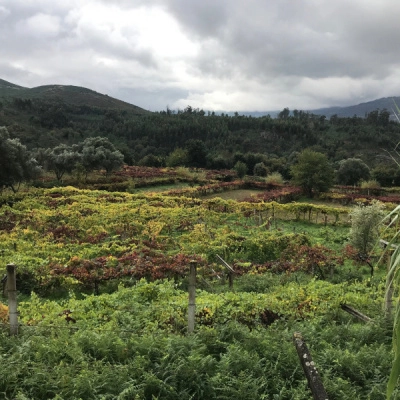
<point x="360" y="110"/>
<point x="46" y="116"/>
<point x="7" y="85"/>
<point x="67" y="94"/>
<point x="80" y="96"/>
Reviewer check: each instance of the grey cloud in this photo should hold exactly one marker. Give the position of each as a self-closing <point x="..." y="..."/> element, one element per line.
<point x="273" y="45"/>
<point x="16" y="75"/>
<point x="272" y="39"/>
<point x="201" y="18"/>
<point x="103" y="43"/>
<point x="24" y="40"/>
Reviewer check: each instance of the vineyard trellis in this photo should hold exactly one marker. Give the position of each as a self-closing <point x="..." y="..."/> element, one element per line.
<point x="140" y="248"/>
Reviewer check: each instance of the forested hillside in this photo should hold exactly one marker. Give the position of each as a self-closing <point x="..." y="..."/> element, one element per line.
<point x="48" y="116"/>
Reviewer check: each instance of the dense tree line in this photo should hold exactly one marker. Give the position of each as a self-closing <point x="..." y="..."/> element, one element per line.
<point x="195" y="138"/>
<point x="18" y="165"/>
<point x="94" y="153"/>
<point x="16" y="162"/>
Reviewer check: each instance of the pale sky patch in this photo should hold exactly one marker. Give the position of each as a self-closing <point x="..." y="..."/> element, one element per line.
<point x="4" y="12"/>
<point x="39" y="25"/>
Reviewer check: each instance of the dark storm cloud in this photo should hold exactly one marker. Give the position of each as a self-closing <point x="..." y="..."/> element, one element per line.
<point x="306" y="39"/>
<point x="201" y="18"/>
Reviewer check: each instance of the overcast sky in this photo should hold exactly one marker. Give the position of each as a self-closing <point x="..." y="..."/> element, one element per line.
<point x="232" y="55"/>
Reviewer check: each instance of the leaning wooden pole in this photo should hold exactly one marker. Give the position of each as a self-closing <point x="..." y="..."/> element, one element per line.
<point x="355" y="313"/>
<point x="229" y="268"/>
<point x="313" y="378"/>
<point x="12" y="299"/>
<point x="192" y="296"/>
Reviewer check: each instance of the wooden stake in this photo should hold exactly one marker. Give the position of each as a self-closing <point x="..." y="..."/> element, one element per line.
<point x="229" y="268"/>
<point x="230" y="279"/>
<point x="313" y="378"/>
<point x="192" y="296"/>
<point x="12" y="299"/>
<point x="4" y="283"/>
<point x="355" y="313"/>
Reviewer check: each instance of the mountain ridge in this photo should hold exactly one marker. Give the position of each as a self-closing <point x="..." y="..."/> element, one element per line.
<point x="359" y="110"/>
<point x="79" y="95"/>
<point x="69" y="94"/>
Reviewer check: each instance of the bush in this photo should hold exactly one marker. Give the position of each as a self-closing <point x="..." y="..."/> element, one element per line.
<point x="260" y="169"/>
<point x="274" y="178"/>
<point x="371" y="187"/>
<point x="258" y="283"/>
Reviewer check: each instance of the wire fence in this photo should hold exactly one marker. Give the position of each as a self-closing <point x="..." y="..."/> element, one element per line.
<point x="171" y="318"/>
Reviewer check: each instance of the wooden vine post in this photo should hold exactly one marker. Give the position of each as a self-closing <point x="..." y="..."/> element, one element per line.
<point x="355" y="313"/>
<point x="4" y="284"/>
<point x="313" y="378"/>
<point x="12" y="299"/>
<point x="192" y="296"/>
<point x="229" y="268"/>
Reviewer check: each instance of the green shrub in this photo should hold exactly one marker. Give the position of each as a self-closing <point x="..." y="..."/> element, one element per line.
<point x="274" y="178"/>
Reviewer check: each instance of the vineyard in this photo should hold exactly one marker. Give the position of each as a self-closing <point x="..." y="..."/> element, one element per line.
<point x="102" y="280"/>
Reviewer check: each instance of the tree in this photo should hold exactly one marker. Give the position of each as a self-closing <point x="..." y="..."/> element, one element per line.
<point x="312" y="172"/>
<point x="251" y="159"/>
<point x="16" y="162"/>
<point x="61" y="159"/>
<point x="386" y="175"/>
<point x="281" y="165"/>
<point x="197" y="153"/>
<point x="284" y="114"/>
<point x="218" y="162"/>
<point x="364" y="231"/>
<point x="151" y="161"/>
<point x="178" y="158"/>
<point x="260" y="169"/>
<point x="352" y="171"/>
<point x="241" y="169"/>
<point x="100" y="153"/>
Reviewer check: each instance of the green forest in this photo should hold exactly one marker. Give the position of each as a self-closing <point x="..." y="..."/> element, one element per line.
<point x="56" y="116"/>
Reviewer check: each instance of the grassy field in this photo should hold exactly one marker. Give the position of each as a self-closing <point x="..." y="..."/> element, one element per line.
<point x="160" y="188"/>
